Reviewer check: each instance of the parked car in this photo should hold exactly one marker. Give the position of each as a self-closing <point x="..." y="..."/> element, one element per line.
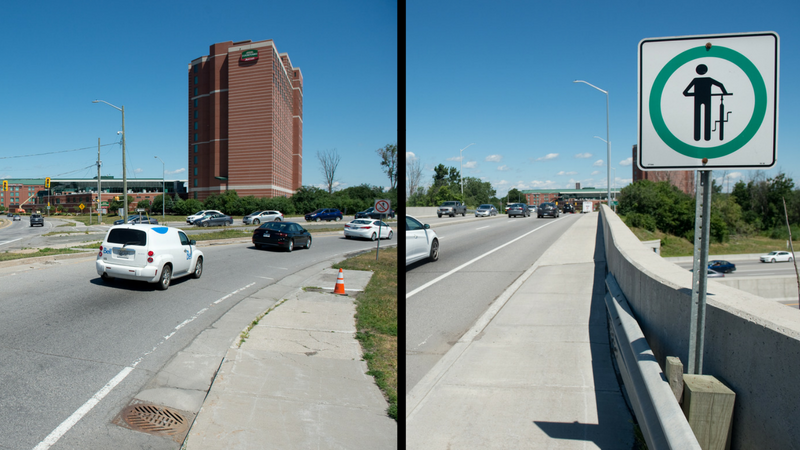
<point x="548" y="209"/>
<point x="370" y="213"/>
<point x="518" y="209"/>
<point x="485" y="211"/>
<point x="137" y="219"/>
<point x="17" y="217"/>
<point x="721" y="266"/>
<point x="421" y="241"/>
<point x="200" y="214"/>
<point x="211" y="220"/>
<point x="147" y="253"/>
<point x="37" y="219"/>
<point x="326" y="214"/>
<point x="367" y="229"/>
<point x="286" y="235"/>
<point x="256" y="217"/>
<point x="776" y="256"/>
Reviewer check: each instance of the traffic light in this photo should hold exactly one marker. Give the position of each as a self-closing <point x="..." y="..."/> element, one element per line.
<point x="47" y="182"/>
<point x="5" y="185"/>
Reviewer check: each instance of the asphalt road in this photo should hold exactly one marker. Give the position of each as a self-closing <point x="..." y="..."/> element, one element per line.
<point x="478" y="259"/>
<point x="65" y="335"/>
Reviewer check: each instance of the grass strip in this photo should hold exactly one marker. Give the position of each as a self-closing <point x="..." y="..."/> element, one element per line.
<point x="47" y="251"/>
<point x="376" y="319"/>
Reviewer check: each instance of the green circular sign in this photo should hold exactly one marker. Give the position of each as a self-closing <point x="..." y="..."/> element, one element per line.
<point x="759" y="109"/>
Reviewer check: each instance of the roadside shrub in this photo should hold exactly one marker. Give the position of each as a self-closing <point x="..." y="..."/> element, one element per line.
<point x="638" y="220"/>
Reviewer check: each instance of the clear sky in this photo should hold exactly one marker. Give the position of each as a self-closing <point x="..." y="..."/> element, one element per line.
<point x="500" y="75"/>
<point x="59" y="56"/>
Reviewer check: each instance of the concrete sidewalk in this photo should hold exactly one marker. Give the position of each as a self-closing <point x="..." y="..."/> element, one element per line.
<point x="537" y="373"/>
<point x="298" y="381"/>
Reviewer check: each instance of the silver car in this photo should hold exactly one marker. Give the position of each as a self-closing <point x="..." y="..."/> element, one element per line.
<point x="486" y="211"/>
<point x="258" y="217"/>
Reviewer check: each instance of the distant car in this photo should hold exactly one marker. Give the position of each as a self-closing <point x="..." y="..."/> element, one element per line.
<point x="368" y="229"/>
<point x="137" y="219"/>
<point x="518" y="209"/>
<point x="10" y="214"/>
<point x="286" y="235"/>
<point x="421" y="241"/>
<point x="37" y="219"/>
<point x="148" y="253"/>
<point x="256" y="217"/>
<point x="214" y="220"/>
<point x="721" y="266"/>
<point x="486" y="211"/>
<point x="200" y="214"/>
<point x="547" y="209"/>
<point x="776" y="256"/>
<point x="370" y="213"/>
<point x="568" y="208"/>
<point x="326" y="214"/>
<point x="711" y="274"/>
<point x="17" y="217"/>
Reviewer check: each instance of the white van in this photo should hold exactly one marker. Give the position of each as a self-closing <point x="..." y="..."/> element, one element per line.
<point x="151" y="253"/>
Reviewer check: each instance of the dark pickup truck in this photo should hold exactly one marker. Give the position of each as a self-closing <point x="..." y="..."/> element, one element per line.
<point x="37" y="219"/>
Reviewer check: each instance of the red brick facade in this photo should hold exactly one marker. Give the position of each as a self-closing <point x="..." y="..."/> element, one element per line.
<point x="682" y="179"/>
<point x="245" y="121"/>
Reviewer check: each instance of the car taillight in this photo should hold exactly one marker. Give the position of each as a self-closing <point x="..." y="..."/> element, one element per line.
<point x="150" y="256"/>
<point x="281" y="234"/>
<point x="101" y="251"/>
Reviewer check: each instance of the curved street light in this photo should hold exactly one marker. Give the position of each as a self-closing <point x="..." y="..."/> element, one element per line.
<point x="124" y="173"/>
<point x="608" y="143"/>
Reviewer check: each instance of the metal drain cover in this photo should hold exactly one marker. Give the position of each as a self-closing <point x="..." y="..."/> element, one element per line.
<point x="155" y="419"/>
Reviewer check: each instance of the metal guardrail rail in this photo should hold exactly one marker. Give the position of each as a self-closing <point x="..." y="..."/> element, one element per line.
<point x="660" y="417"/>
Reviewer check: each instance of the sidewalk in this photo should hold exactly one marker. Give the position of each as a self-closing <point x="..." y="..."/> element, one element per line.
<point x="298" y="381"/>
<point x="539" y="373"/>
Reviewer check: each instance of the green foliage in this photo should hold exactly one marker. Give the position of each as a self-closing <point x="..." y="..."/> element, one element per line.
<point x="781" y="232"/>
<point x="639" y="220"/>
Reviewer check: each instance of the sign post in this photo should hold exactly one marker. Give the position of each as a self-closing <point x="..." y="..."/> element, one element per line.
<point x="382" y="206"/>
<point x="707" y="102"/>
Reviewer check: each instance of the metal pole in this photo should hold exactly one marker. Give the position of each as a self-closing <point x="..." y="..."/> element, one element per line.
<point x="791" y="247"/>
<point x="99" y="192"/>
<point x="608" y="157"/>
<point x="702" y="224"/>
<point x="124" y="172"/>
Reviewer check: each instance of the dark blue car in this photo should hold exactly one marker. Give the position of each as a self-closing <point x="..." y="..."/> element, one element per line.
<point x="327" y="214"/>
<point x="721" y="266"/>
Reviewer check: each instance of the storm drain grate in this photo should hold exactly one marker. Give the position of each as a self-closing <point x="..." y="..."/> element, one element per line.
<point x="155" y="419"/>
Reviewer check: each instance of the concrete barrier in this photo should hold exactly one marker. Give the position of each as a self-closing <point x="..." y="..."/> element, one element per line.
<point x="751" y="344"/>
<point x="421" y="211"/>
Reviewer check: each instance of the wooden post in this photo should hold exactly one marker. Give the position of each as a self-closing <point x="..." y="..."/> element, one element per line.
<point x="708" y="406"/>
<point x="675" y="376"/>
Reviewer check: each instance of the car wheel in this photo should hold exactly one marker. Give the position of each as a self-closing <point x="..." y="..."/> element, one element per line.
<point x="277" y="219"/>
<point x="790" y="259"/>
<point x="256" y="222"/>
<point x="291" y="245"/>
<point x="463" y="214"/>
<point x="198" y="268"/>
<point x="166" y="276"/>
<point x="106" y="278"/>
<point x="440" y="216"/>
<point x="308" y="243"/>
<point x="772" y="261"/>
<point x="205" y="224"/>
<point x="258" y="246"/>
<point x="390" y="235"/>
<point x="434" y="256"/>
<point x="317" y="220"/>
<point x="338" y="219"/>
<point x="373" y="236"/>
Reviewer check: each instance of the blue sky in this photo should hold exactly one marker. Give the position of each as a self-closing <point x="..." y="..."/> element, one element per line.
<point x="500" y="75"/>
<point x="59" y="56"/>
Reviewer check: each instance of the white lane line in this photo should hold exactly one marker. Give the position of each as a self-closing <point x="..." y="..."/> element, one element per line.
<point x="8" y="242"/>
<point x="487" y="226"/>
<point x="66" y="425"/>
<point x="442" y="277"/>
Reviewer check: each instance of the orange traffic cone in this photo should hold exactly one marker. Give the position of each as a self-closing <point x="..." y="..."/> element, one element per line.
<point x="339" y="289"/>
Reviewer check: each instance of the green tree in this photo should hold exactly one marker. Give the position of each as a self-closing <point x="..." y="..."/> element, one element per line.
<point x="514" y="196"/>
<point x="144" y="204"/>
<point x="477" y="192"/>
<point x="388" y="155"/>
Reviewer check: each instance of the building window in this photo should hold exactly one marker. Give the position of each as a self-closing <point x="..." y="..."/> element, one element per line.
<point x="196" y="113"/>
<point x="195" y="80"/>
<point x="195" y="159"/>
<point x="195" y="137"/>
<point x="195" y="148"/>
<point x="195" y="185"/>
<point x="195" y="103"/>
<point x="195" y="172"/>
<point x="194" y="68"/>
<point x="196" y="126"/>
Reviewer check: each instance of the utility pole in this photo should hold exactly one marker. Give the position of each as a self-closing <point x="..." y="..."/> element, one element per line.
<point x="99" y="192"/>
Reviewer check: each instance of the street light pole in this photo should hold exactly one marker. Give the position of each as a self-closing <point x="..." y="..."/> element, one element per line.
<point x="461" y="170"/>
<point x="608" y="142"/>
<point x="124" y="172"/>
<point x="163" y="191"/>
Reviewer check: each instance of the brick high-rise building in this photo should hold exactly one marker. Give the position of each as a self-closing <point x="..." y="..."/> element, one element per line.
<point x="682" y="179"/>
<point x="245" y="121"/>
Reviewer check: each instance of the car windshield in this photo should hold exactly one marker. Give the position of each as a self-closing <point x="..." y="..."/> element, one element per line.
<point x="485" y="207"/>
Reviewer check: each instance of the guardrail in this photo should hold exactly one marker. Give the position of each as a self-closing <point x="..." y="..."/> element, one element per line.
<point x="660" y="417"/>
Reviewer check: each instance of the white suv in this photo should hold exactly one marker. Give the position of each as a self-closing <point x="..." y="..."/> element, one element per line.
<point x="155" y="254"/>
<point x="200" y="214"/>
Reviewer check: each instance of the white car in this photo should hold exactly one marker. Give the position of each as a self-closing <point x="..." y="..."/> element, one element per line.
<point x="200" y="214"/>
<point x="151" y="253"/>
<point x="368" y="229"/>
<point x="258" y="217"/>
<point x="776" y="256"/>
<point x="421" y="241"/>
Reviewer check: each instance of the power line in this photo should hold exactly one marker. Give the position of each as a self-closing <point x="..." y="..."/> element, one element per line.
<point x="53" y="153"/>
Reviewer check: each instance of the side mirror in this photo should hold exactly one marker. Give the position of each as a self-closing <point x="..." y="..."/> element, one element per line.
<point x="427" y="226"/>
<point x="192" y="242"/>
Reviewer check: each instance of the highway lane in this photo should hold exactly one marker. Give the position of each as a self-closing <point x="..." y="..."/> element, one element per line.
<point x="753" y="268"/>
<point x="500" y="249"/>
<point x="64" y="335"/>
